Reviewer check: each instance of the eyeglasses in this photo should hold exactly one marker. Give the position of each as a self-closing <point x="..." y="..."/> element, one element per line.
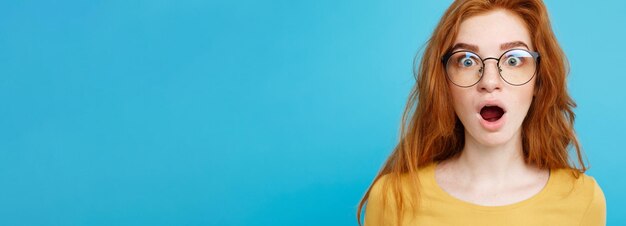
<point x="516" y="67"/>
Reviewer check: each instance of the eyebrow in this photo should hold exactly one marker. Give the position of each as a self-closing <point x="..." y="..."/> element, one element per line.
<point x="474" y="48"/>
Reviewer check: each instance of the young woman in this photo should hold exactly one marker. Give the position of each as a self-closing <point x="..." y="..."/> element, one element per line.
<point x="487" y="129"/>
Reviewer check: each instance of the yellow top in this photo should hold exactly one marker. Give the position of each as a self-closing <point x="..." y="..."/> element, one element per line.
<point x="564" y="200"/>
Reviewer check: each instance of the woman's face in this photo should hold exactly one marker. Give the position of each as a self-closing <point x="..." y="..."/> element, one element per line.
<point x="492" y="111"/>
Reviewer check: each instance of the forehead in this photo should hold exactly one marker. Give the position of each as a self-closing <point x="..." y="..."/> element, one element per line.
<point x="490" y="30"/>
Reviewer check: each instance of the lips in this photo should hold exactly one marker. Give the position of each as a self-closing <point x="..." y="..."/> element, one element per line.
<point x="491" y="114"/>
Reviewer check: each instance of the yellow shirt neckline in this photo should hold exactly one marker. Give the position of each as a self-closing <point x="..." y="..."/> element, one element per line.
<point x="430" y="174"/>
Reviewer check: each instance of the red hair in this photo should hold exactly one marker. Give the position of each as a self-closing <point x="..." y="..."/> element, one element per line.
<point x="430" y="130"/>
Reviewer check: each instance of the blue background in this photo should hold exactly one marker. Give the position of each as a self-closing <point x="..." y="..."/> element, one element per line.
<point x="154" y="112"/>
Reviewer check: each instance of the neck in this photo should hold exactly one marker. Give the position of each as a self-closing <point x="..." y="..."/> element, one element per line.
<point x="491" y="164"/>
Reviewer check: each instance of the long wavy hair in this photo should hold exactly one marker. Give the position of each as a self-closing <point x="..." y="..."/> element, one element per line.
<point x="430" y="130"/>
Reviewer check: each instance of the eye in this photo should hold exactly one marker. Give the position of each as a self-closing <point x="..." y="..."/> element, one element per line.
<point x="514" y="61"/>
<point x="467" y="62"/>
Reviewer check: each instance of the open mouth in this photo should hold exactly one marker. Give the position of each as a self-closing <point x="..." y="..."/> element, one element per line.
<point x="491" y="113"/>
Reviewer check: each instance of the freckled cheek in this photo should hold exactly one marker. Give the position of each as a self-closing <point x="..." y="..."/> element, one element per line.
<point x="526" y="96"/>
<point x="462" y="103"/>
<point x="523" y="100"/>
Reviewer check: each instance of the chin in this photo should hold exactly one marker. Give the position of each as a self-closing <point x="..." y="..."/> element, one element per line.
<point x="492" y="139"/>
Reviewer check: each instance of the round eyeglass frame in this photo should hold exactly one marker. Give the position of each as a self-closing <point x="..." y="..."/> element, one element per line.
<point x="446" y="57"/>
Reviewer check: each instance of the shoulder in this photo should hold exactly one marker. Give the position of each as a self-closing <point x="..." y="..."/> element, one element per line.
<point x="569" y="181"/>
<point x="378" y="189"/>
<point x="595" y="214"/>
<point x="380" y="203"/>
<point x="584" y="191"/>
<point x="391" y="194"/>
<point x="388" y="183"/>
<point x="384" y="188"/>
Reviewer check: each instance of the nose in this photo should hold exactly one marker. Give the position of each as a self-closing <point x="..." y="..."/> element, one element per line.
<point x="490" y="80"/>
